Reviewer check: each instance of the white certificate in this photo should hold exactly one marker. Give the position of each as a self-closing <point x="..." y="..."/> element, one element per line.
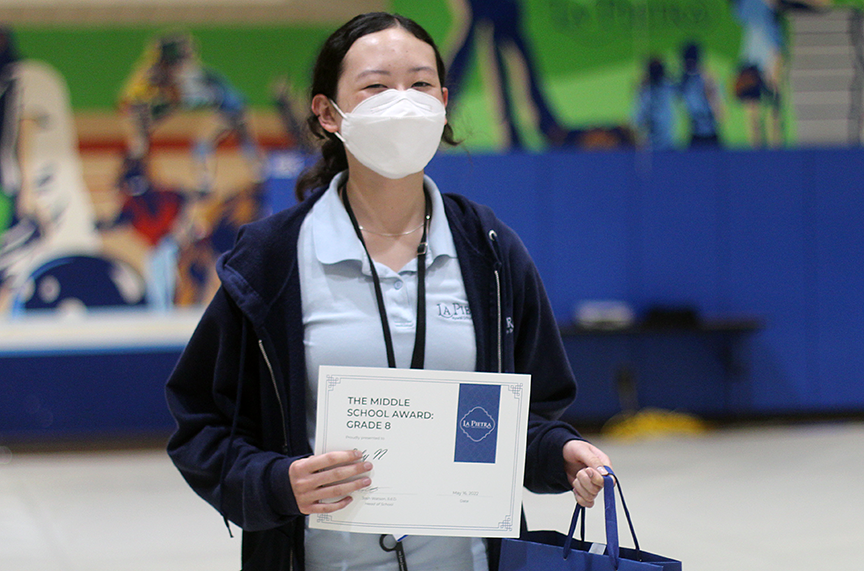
<point x="448" y="449"/>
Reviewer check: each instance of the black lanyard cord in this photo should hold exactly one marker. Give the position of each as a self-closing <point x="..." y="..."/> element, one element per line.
<point x="419" y="355"/>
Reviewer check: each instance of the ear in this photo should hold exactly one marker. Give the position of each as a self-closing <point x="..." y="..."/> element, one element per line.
<point x="445" y="95"/>
<point x="328" y="117"/>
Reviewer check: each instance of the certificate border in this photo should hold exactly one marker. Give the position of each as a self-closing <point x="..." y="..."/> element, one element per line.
<point x="517" y="388"/>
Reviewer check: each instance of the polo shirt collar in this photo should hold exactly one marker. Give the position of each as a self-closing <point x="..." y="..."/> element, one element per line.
<point x="335" y="240"/>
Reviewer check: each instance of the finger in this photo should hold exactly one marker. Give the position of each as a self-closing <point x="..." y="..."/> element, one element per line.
<point x="584" y="496"/>
<point x="589" y="481"/>
<point x="336" y="475"/>
<point x="583" y="453"/>
<point x="597" y="460"/>
<point x="327" y="507"/>
<point x="587" y="502"/>
<point x="330" y="459"/>
<point x="309" y="483"/>
<point x="302" y="472"/>
<point x="329" y="495"/>
<point x="339" y="490"/>
<point x="604" y="461"/>
<point x="330" y="478"/>
<point x="596" y="476"/>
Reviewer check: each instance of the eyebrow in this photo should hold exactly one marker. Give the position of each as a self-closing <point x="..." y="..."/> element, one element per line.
<point x="385" y="72"/>
<point x="372" y="72"/>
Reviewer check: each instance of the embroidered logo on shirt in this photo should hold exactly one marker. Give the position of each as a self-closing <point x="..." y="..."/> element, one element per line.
<point x="454" y="311"/>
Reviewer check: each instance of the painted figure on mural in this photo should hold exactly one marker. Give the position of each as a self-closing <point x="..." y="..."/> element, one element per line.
<point x="156" y="215"/>
<point x="183" y="232"/>
<point x="289" y="104"/>
<point x="503" y="20"/>
<point x="701" y="99"/>
<point x="195" y="220"/>
<point x="299" y="153"/>
<point x="763" y="60"/>
<point x="654" y="113"/>
<point x="49" y="226"/>
<point x="169" y="79"/>
<point x="219" y="222"/>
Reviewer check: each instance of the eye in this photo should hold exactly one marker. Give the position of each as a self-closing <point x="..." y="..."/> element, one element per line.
<point x="421" y="84"/>
<point x="376" y="86"/>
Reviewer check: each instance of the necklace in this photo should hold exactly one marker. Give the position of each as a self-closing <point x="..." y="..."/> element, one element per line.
<point x="397" y="234"/>
<point x="417" y="358"/>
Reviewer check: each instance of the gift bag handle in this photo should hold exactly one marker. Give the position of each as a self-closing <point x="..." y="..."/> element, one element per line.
<point x="611" y="516"/>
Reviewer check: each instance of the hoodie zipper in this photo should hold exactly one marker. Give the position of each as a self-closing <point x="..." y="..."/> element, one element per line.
<point x="493" y="236"/>
<point x="278" y="397"/>
<point x="284" y="428"/>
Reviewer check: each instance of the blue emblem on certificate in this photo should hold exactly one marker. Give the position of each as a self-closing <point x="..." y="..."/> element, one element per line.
<point x="477" y="423"/>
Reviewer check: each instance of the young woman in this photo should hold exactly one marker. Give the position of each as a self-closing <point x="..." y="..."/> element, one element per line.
<point x="340" y="279"/>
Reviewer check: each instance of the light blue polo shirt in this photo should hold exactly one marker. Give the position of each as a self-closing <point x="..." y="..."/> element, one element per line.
<point x="342" y="326"/>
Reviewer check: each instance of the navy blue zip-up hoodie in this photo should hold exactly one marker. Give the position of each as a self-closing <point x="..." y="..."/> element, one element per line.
<point x="238" y="390"/>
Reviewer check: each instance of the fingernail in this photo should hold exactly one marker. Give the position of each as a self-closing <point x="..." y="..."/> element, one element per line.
<point x="603" y="471"/>
<point x="367" y="466"/>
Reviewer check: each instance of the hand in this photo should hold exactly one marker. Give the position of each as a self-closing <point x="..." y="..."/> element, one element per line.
<point x="317" y="479"/>
<point x="584" y="464"/>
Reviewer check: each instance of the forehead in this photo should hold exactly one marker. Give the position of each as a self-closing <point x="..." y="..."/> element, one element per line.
<point x="389" y="50"/>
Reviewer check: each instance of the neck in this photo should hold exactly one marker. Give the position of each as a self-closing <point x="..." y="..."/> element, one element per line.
<point x="385" y="205"/>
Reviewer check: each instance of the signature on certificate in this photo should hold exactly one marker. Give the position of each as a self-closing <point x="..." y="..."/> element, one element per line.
<point x="374" y="455"/>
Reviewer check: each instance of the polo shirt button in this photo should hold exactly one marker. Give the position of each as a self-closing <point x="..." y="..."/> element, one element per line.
<point x="398" y="285"/>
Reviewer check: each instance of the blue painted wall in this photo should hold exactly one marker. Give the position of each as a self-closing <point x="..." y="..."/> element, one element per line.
<point x="85" y="394"/>
<point x="775" y="234"/>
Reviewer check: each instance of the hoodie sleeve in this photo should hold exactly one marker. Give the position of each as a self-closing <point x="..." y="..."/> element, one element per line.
<point x="538" y="350"/>
<point x="217" y="445"/>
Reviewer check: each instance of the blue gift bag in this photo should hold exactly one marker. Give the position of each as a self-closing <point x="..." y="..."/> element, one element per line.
<point x="553" y="551"/>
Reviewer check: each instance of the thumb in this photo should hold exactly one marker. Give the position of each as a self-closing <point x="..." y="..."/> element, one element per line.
<point x="597" y="464"/>
<point x="590" y="456"/>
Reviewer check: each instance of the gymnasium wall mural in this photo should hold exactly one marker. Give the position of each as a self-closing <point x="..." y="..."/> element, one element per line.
<point x="131" y="154"/>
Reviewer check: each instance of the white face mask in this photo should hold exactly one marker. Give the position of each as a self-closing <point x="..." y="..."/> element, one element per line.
<point x="394" y="133"/>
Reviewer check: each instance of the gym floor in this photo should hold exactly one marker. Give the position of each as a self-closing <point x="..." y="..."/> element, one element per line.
<point x="779" y="497"/>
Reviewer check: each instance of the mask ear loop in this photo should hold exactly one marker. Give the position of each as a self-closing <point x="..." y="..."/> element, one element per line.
<point x="337" y="133"/>
<point x="338" y="110"/>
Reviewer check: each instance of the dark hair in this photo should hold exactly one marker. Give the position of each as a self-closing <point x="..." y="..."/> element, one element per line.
<point x="325" y="78"/>
<point x="656" y="71"/>
<point x="691" y="51"/>
<point x="8" y="49"/>
<point x="691" y="54"/>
